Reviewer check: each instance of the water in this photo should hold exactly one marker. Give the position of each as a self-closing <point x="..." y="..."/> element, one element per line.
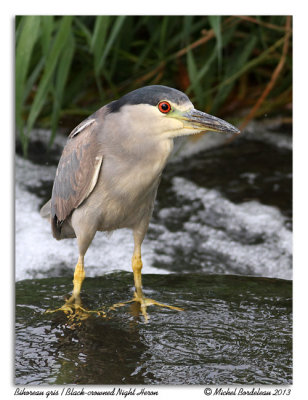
<point x="234" y="330"/>
<point x="219" y="245"/>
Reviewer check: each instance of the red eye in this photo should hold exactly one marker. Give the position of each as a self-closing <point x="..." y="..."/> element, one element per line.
<point x="164" y="107"/>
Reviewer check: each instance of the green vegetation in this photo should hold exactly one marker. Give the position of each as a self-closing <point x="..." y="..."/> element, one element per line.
<point x="69" y="66"/>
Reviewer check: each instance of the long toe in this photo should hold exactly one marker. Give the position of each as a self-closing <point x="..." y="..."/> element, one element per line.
<point x="150" y="302"/>
<point x="75" y="311"/>
<point x="67" y="308"/>
<point x="146" y="302"/>
<point x="121" y="304"/>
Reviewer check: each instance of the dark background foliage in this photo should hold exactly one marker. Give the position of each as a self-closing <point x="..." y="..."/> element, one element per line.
<point x="238" y="67"/>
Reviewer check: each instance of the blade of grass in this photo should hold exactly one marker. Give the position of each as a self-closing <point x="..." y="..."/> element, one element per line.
<point x="26" y="41"/>
<point x="51" y="63"/>
<point x="193" y="73"/>
<point x="98" y="41"/>
<point x="239" y="59"/>
<point x="61" y="79"/>
<point x="187" y="27"/>
<point x="76" y="91"/>
<point x="163" y="34"/>
<point x="201" y="73"/>
<point x="19" y="23"/>
<point x="33" y="78"/>
<point x="215" y="22"/>
<point x="146" y="49"/>
<point x="112" y="37"/>
<point x="98" y="44"/>
<point x="47" y="25"/>
<point x="251" y="64"/>
<point x="84" y="31"/>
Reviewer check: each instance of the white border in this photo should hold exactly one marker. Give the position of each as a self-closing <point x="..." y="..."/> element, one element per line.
<point x="133" y="7"/>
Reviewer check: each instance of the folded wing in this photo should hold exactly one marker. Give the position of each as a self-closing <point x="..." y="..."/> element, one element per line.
<point x="77" y="173"/>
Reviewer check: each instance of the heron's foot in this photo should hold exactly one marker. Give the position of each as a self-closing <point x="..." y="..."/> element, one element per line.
<point x="74" y="310"/>
<point x="144" y="302"/>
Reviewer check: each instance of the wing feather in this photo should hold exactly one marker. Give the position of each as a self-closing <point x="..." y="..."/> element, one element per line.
<point x="77" y="172"/>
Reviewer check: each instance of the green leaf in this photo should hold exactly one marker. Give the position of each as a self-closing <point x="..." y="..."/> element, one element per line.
<point x="83" y="31"/>
<point x="215" y="22"/>
<point x="51" y="63"/>
<point x="47" y="25"/>
<point x="112" y="37"/>
<point x="146" y="49"/>
<point x="250" y="64"/>
<point x="235" y="64"/>
<point x="26" y="41"/>
<point x="199" y="75"/>
<point x="98" y="41"/>
<point x="163" y="35"/>
<point x="193" y="75"/>
<point x="60" y="82"/>
<point x="187" y="26"/>
<point x="101" y="46"/>
<point x="33" y="78"/>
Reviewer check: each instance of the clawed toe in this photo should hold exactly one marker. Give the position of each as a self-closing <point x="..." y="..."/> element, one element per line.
<point x="74" y="311"/>
<point x="144" y="302"/>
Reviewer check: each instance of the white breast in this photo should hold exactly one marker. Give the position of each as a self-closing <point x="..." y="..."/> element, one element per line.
<point x="126" y="187"/>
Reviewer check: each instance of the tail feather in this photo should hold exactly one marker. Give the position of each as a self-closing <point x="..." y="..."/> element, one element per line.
<point x="45" y="210"/>
<point x="60" y="230"/>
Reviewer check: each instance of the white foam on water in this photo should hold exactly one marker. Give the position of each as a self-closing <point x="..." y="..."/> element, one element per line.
<point x="251" y="236"/>
<point x="261" y="132"/>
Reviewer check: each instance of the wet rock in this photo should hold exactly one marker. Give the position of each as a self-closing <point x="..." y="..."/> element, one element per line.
<point x="234" y="330"/>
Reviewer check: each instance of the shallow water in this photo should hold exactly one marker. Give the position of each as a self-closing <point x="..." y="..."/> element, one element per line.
<point x="234" y="330"/>
<point x="219" y="245"/>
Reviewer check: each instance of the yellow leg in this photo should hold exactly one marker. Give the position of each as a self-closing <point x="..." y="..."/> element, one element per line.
<point x="137" y="267"/>
<point x="139" y="296"/>
<point x="79" y="276"/>
<point x="74" y="302"/>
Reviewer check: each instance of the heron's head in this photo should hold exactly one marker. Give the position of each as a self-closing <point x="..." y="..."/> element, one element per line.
<point x="164" y="112"/>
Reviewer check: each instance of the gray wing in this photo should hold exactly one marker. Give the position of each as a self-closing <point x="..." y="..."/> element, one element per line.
<point x="77" y="172"/>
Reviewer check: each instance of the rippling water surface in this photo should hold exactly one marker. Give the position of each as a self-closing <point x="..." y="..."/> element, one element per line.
<point x="233" y="330"/>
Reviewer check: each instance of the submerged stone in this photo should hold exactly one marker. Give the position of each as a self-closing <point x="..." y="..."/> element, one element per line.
<point x="233" y="330"/>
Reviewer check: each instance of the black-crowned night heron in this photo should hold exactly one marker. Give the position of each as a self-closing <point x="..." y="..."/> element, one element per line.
<point x="110" y="169"/>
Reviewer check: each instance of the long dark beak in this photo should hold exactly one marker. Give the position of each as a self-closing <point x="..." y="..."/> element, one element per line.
<point x="204" y="122"/>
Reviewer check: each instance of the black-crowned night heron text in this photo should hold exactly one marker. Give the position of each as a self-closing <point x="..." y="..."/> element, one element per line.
<point x="110" y="168"/>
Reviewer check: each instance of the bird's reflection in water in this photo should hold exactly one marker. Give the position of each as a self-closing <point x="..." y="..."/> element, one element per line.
<point x="135" y="310"/>
<point x="89" y="346"/>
